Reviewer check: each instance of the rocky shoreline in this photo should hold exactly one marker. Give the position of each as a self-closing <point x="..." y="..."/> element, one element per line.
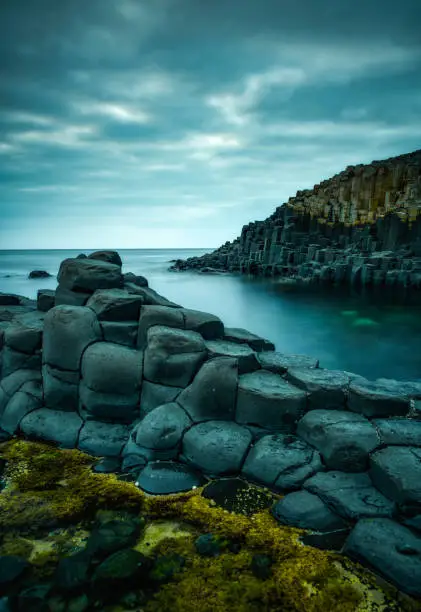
<point x="169" y="397"/>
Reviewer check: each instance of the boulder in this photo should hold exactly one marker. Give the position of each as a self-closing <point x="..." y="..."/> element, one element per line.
<point x="154" y="395"/>
<point x="304" y="510"/>
<point x="149" y="296"/>
<point x="162" y="428"/>
<point x="120" y="332"/>
<point x="344" y="439"/>
<point x="46" y="299"/>
<point x="173" y="356"/>
<point x="68" y="331"/>
<point x="15" y="360"/>
<point x="374" y="399"/>
<point x="207" y="325"/>
<point x="111" y="368"/>
<point x="60" y="388"/>
<point x="167" y="477"/>
<point x="279" y="363"/>
<point x="244" y="355"/>
<point x="243" y="336"/>
<point x="391" y="549"/>
<point x="267" y="400"/>
<point x="396" y="472"/>
<point x="103" y="439"/>
<point x="157" y="315"/>
<point x="135" y="279"/>
<point x="325" y="388"/>
<point x="111" y="257"/>
<point x="115" y="305"/>
<point x="8" y="313"/>
<point x="52" y="426"/>
<point x="88" y="275"/>
<point x="19" y="405"/>
<point x="39" y="274"/>
<point x="352" y="496"/>
<point x="9" y="299"/>
<point x="12" y="383"/>
<point x="25" y="333"/>
<point x="399" y="432"/>
<point x="3" y="326"/>
<point x="213" y="391"/>
<point x="108" y="406"/>
<point x="281" y="461"/>
<point x="67" y="297"/>
<point x="216" y="447"/>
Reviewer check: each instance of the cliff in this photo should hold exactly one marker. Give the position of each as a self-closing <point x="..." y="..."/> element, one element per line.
<point x="362" y="226"/>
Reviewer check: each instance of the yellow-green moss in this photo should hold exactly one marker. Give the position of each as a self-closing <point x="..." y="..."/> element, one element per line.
<point x="13" y="544"/>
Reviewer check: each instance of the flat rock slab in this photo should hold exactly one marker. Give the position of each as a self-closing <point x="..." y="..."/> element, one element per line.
<point x="267" y="400"/>
<point x="344" y="439"/>
<point x="243" y="336"/>
<point x="212" y="393"/>
<point x="281" y="462"/>
<point x="157" y="315"/>
<point x="164" y="478"/>
<point x="120" y="332"/>
<point x="88" y="275"/>
<point x="411" y="388"/>
<point x="52" y="426"/>
<point x="111" y="368"/>
<point x="280" y="363"/>
<point x="154" y="395"/>
<point x="103" y="439"/>
<point x="216" y="447"/>
<point x="326" y="388"/>
<point x="245" y="356"/>
<point x="306" y="511"/>
<point x="162" y="428"/>
<point x="400" y="432"/>
<point x="207" y="325"/>
<point x="115" y="305"/>
<point x="396" y="472"/>
<point x="352" y="496"/>
<point x="391" y="549"/>
<point x="374" y="399"/>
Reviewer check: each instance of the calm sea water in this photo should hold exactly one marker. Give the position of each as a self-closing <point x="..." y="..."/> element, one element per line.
<point x="367" y="334"/>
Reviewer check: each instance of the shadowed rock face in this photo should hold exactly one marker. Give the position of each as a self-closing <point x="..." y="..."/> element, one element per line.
<point x="172" y="398"/>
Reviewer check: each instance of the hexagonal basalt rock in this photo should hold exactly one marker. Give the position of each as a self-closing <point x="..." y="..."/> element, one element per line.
<point x="103" y="439"/>
<point x="120" y="332"/>
<point x="243" y="336"/>
<point x="207" y="325"/>
<point x="25" y="333"/>
<point x="326" y="388"/>
<point x="374" y="399"/>
<point x="282" y="462"/>
<point x="154" y="395"/>
<point x="391" y="549"/>
<point x="111" y="368"/>
<point x="173" y="356"/>
<point x="115" y="305"/>
<point x="149" y="296"/>
<point x="112" y="257"/>
<point x="15" y="360"/>
<point x="52" y="426"/>
<point x="88" y="275"/>
<point x="279" y="363"/>
<point x="246" y="357"/>
<point x="267" y="400"/>
<point x="213" y="391"/>
<point x="21" y="403"/>
<point x="157" y="315"/>
<point x="216" y="447"/>
<point x="352" y="496"/>
<point x="166" y="477"/>
<point x="68" y="331"/>
<point x="162" y="428"/>
<point x="45" y="299"/>
<point x="396" y="472"/>
<point x="12" y="383"/>
<point x="108" y="406"/>
<point x="306" y="511"/>
<point x="400" y="432"/>
<point x="344" y="439"/>
<point x="66" y="297"/>
<point x="60" y="388"/>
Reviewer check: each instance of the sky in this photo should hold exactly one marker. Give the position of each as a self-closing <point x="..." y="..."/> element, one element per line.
<point x="172" y="123"/>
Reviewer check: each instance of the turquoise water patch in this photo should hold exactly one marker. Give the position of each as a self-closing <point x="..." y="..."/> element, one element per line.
<point x="364" y="322"/>
<point x="349" y="313"/>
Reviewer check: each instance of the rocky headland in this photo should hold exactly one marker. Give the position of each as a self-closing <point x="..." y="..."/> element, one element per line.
<point x="164" y="402"/>
<point x="361" y="227"/>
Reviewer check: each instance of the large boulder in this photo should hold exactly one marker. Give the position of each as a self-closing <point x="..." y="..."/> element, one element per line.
<point x="344" y="439"/>
<point x="167" y="477"/>
<point x="206" y="324"/>
<point x="52" y="426"/>
<point x="115" y="305"/>
<point x="25" y="333"/>
<point x="325" y="388"/>
<point x="267" y="400"/>
<point x="88" y="275"/>
<point x="396" y="472"/>
<point x="391" y="549"/>
<point x="279" y="363"/>
<point x="68" y="331"/>
<point x="135" y="279"/>
<point x="60" y="388"/>
<point x="216" y="447"/>
<point x="173" y="356"/>
<point x="245" y="356"/>
<point x="111" y="368"/>
<point x="45" y="299"/>
<point x="162" y="428"/>
<point x="111" y="257"/>
<point x="154" y="395"/>
<point x="213" y="392"/>
<point x="103" y="439"/>
<point x="306" y="511"/>
<point x="243" y="336"/>
<point x="374" y="399"/>
<point x="67" y="297"/>
<point x="282" y="462"/>
<point x="108" y="406"/>
<point x="157" y="315"/>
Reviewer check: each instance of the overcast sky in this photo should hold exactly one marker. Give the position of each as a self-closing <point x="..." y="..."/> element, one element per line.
<point x="172" y="123"/>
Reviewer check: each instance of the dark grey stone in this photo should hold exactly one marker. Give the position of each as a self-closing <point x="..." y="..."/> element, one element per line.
<point x="39" y="274"/>
<point x="243" y="336"/>
<point x="352" y="496"/>
<point x="344" y="439"/>
<point x="135" y="279"/>
<point x="111" y="257"/>
<point x="326" y="388"/>
<point x="207" y="325"/>
<point x="164" y="478"/>
<point x="328" y="540"/>
<point x="401" y="432"/>
<point x="25" y="333"/>
<point x="149" y="296"/>
<point x="12" y="383"/>
<point x="306" y="511"/>
<point x="120" y="332"/>
<point x="108" y="406"/>
<point x="213" y="391"/>
<point x="216" y="447"/>
<point x="162" y="428"/>
<point x="173" y="356"/>
<point x="88" y="275"/>
<point x="9" y="299"/>
<point x="157" y="315"/>
<point x="279" y="363"/>
<point x="411" y="388"/>
<point x="17" y="407"/>
<point x="107" y="465"/>
<point x="115" y="305"/>
<point x="52" y="426"/>
<point x="281" y="461"/>
<point x="374" y="399"/>
<point x="150" y="454"/>
<point x="14" y="360"/>
<point x="396" y="472"/>
<point x="8" y="313"/>
<point x="46" y="299"/>
<point x="66" y="297"/>
<point x="154" y="395"/>
<point x="3" y="326"/>
<point x="245" y="356"/>
<point x="112" y="368"/>
<point x="391" y="549"/>
<point x="265" y="399"/>
<point x="68" y="331"/>
<point x="60" y="388"/>
<point x="103" y="439"/>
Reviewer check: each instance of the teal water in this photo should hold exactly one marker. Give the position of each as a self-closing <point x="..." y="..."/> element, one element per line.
<point x="370" y="334"/>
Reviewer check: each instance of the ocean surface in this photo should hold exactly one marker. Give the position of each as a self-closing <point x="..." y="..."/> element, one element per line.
<point x="369" y="334"/>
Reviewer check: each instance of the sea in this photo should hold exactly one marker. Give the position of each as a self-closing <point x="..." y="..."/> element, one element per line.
<point x="368" y="333"/>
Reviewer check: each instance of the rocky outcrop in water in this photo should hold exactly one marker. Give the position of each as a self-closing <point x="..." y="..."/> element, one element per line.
<point x="361" y="227"/>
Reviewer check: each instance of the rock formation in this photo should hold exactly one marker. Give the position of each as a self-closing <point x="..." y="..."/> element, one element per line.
<point x="363" y="226"/>
<point x="172" y="396"/>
